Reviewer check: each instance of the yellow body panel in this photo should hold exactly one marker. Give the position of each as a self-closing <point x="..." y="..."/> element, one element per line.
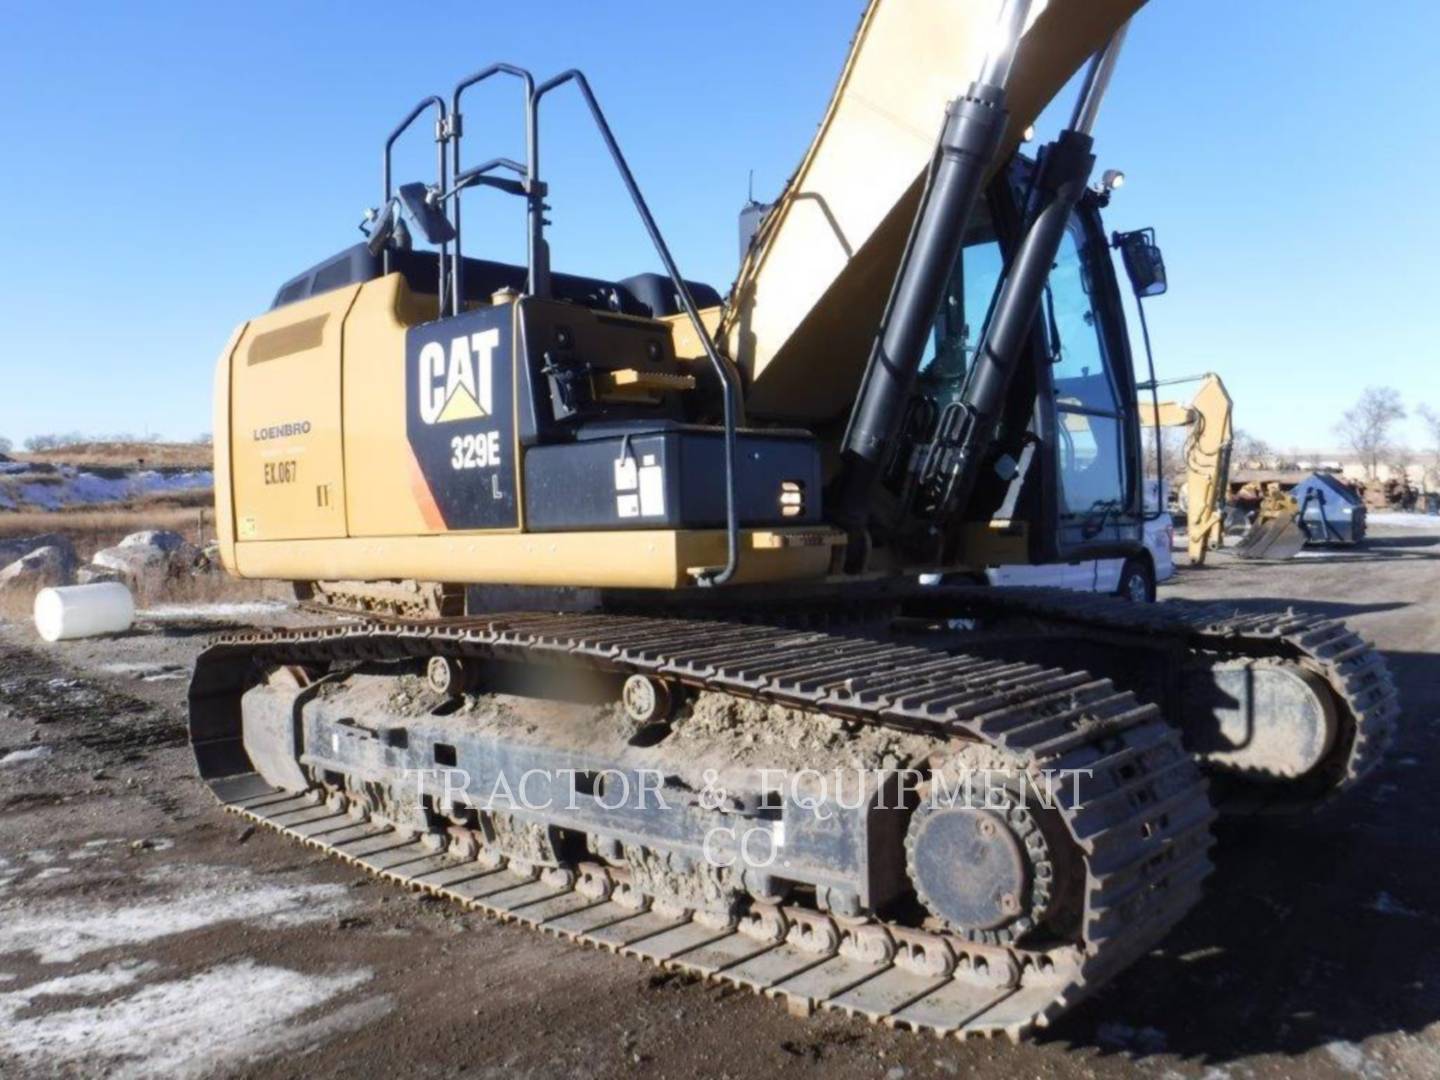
<point x="388" y="498"/>
<point x="280" y="385"/>
<point x="224" y="497"/>
<point x="633" y="559"/>
<point x="285" y="442"/>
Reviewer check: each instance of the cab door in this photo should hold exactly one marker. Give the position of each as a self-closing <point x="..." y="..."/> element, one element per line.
<point x="1090" y="398"/>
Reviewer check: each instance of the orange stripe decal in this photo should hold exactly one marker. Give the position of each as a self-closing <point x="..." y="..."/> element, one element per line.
<point x="423" y="497"/>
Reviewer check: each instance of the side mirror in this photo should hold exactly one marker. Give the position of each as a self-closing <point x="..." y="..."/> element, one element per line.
<point x="416" y="198"/>
<point x="1144" y="264"/>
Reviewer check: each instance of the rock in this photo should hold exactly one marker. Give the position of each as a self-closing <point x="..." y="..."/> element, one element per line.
<point x="90" y="574"/>
<point x="208" y="561"/>
<point x="10" y="550"/>
<point x="161" y="539"/>
<point x="40" y="569"/>
<point x="147" y="560"/>
<point x="135" y="565"/>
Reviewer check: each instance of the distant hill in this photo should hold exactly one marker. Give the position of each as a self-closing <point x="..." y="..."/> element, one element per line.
<point x="123" y="455"/>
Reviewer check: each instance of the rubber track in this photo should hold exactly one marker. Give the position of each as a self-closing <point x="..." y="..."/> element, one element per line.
<point x="1352" y="667"/>
<point x="1131" y="797"/>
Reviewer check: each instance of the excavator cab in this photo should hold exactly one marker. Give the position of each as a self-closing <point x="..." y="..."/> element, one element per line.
<point x="1063" y="485"/>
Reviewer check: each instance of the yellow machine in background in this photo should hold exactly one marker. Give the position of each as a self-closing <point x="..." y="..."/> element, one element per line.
<point x="1209" y="432"/>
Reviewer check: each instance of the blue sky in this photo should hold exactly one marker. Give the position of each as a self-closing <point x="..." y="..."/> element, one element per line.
<point x="168" y="165"/>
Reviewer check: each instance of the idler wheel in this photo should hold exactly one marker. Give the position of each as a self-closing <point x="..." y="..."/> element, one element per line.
<point x="967" y="866"/>
<point x="978" y="854"/>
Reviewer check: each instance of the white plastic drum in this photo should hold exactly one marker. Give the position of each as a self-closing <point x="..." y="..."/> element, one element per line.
<point x="77" y="611"/>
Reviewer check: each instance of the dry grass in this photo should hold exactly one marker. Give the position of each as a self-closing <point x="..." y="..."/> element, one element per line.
<point x="127" y="455"/>
<point x="91" y="528"/>
<point x="16" y="606"/>
<point x="213" y="588"/>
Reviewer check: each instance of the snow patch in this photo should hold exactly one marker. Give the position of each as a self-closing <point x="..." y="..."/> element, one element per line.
<point x="61" y="932"/>
<point x="245" y="610"/>
<point x="227" y="1016"/>
<point x="30" y="753"/>
<point x="1347" y="1055"/>
<point x="1400" y="519"/>
<point x="136" y="669"/>
<point x="91" y="848"/>
<point x="71" y="486"/>
<point x="1388" y="905"/>
<point x="146" y="671"/>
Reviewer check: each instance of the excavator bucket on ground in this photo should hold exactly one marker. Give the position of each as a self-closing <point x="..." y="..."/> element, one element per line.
<point x="1279" y="537"/>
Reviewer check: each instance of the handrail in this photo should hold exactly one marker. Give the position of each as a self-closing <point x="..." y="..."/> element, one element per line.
<point x="538" y="280"/>
<point x="729" y="380"/>
<point x="440" y="136"/>
<point x="476" y="172"/>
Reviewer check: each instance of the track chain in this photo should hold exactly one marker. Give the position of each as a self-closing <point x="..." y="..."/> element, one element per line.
<point x="1131" y="798"/>
<point x="1364" y="688"/>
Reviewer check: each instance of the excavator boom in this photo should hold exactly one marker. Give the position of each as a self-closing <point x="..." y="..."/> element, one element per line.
<point x="817" y="274"/>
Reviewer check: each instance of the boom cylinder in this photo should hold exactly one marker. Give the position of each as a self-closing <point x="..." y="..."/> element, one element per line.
<point x="1065" y="168"/>
<point x="974" y="125"/>
<point x="1064" y="171"/>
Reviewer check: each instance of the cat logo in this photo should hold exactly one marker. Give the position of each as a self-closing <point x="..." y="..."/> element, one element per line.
<point x="460" y="386"/>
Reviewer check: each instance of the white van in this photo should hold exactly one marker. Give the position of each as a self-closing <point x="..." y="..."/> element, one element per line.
<point x="1131" y="577"/>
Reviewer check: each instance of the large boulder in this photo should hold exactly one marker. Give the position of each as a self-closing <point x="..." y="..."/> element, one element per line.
<point x="159" y="539"/>
<point x="40" y="569"/>
<point x="90" y="574"/>
<point x="10" y="550"/>
<point x="146" y="560"/>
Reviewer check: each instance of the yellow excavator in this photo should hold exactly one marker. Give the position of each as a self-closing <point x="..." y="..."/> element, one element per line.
<point x="736" y="735"/>
<point x="1209" y="433"/>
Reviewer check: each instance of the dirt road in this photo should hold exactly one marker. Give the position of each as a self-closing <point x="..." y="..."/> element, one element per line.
<point x="142" y="931"/>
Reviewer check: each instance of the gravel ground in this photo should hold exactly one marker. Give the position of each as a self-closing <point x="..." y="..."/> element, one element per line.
<point x="144" y="932"/>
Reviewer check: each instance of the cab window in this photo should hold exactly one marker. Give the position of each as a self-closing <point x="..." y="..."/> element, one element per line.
<point x="1089" y="411"/>
<point x="955" y="333"/>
